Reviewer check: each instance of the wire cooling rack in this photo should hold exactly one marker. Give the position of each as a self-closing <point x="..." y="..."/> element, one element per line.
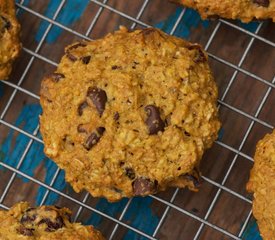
<point x="243" y="61"/>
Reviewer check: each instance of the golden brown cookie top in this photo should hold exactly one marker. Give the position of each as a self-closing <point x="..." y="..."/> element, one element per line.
<point x="128" y="114"/>
<point x="262" y="184"/>
<point x="9" y="37"/>
<point x="245" y="10"/>
<point x="42" y="223"/>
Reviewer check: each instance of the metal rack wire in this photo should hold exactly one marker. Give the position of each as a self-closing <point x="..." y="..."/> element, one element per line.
<point x="169" y="204"/>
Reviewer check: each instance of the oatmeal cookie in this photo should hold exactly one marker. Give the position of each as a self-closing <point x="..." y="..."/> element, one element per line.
<point x="42" y="223"/>
<point x="9" y="37"/>
<point x="262" y="184"/>
<point x="245" y="10"/>
<point x="130" y="114"/>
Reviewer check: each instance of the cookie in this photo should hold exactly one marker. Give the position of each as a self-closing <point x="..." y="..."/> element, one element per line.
<point x="130" y="114"/>
<point x="9" y="37"/>
<point x="245" y="10"/>
<point x="262" y="184"/>
<point x="43" y="223"/>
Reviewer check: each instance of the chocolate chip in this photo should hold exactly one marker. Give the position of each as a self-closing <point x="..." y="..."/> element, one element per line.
<point x="94" y="138"/>
<point x="187" y="134"/>
<point x="77" y="45"/>
<point x="29" y="216"/>
<point x="98" y="97"/>
<point x="25" y="231"/>
<point x="130" y="173"/>
<point x="6" y="23"/>
<point x="26" y="218"/>
<point x="52" y="226"/>
<point x="30" y="209"/>
<point x="143" y="186"/>
<point x="116" y="116"/>
<point x="81" y="129"/>
<point x="200" y="56"/>
<point x="263" y="3"/>
<point x="56" y="76"/>
<point x="195" y="179"/>
<point x="81" y="107"/>
<point x="86" y="59"/>
<point x="121" y="163"/>
<point x="71" y="57"/>
<point x="114" y="67"/>
<point x="154" y="121"/>
<point x="67" y="214"/>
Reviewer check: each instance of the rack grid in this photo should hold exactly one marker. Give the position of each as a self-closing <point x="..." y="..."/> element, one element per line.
<point x="205" y="223"/>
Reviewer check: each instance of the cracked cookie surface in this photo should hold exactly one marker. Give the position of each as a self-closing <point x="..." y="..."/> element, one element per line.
<point x="262" y="184"/>
<point x="9" y="37"/>
<point x="130" y="114"/>
<point x="42" y="223"/>
<point x="245" y="10"/>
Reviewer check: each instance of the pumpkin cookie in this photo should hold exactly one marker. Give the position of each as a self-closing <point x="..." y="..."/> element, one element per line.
<point x="130" y="114"/>
<point x="9" y="37"/>
<point x="262" y="184"/>
<point x="42" y="223"/>
<point x="245" y="10"/>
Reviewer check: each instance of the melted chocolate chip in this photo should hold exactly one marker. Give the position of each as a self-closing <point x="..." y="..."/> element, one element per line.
<point x="67" y="214"/>
<point x="25" y="231"/>
<point x="30" y="209"/>
<point x="94" y="138"/>
<point x="77" y="45"/>
<point x="52" y="226"/>
<point x="81" y="129"/>
<point x="154" y="121"/>
<point x="71" y="57"/>
<point x="130" y="173"/>
<point x="6" y="23"/>
<point x="27" y="218"/>
<point x="116" y="116"/>
<point x="121" y="163"/>
<point x="143" y="186"/>
<point x="200" y="56"/>
<point x="195" y="179"/>
<point x="262" y="3"/>
<point x="81" y="107"/>
<point x="187" y="134"/>
<point x="56" y="76"/>
<point x="86" y="59"/>
<point x="98" y="97"/>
